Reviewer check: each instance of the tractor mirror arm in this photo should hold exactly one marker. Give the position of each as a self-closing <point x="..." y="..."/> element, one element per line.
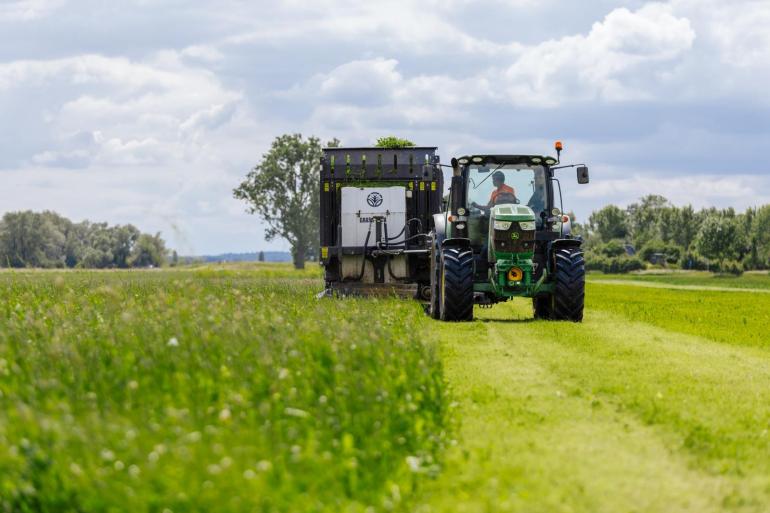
<point x="569" y="165"/>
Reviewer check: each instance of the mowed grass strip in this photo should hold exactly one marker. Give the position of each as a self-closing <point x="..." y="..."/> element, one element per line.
<point x="740" y="318"/>
<point x="609" y="415"/>
<point x="210" y="390"/>
<point x="752" y="280"/>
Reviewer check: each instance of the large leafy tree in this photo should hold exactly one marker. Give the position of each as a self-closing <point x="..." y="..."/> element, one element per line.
<point x="609" y="223"/>
<point x="283" y="190"/>
<point x="719" y="237"/>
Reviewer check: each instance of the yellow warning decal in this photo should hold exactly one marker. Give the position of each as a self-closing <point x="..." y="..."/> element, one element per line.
<point x="422" y="186"/>
<point x="433" y="186"/>
<point x="324" y="252"/>
<point x="411" y="185"/>
<point x="326" y="186"/>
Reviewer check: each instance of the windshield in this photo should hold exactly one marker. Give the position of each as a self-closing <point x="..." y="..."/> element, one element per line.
<point x="514" y="183"/>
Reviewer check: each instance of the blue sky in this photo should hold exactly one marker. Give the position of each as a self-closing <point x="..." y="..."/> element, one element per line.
<point x="150" y="112"/>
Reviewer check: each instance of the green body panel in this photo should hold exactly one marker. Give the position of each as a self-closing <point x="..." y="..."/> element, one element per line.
<point x="504" y="261"/>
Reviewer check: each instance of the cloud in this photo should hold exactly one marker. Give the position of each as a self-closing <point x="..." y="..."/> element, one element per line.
<point x="119" y="112"/>
<point x="605" y="64"/>
<point x="141" y="112"/>
<point x="28" y="9"/>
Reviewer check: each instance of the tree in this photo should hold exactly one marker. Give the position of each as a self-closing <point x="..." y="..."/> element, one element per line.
<point x="31" y="239"/>
<point x="149" y="251"/>
<point x="719" y="237"/>
<point x="609" y="223"/>
<point x="759" y="242"/>
<point x="644" y="218"/>
<point x="261" y="257"/>
<point x="392" y="141"/>
<point x="283" y="190"/>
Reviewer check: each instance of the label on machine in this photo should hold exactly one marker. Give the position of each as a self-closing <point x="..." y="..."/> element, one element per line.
<point x="360" y="208"/>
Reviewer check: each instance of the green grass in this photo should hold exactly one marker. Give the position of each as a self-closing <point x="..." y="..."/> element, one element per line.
<point x="692" y="278"/>
<point x="636" y="409"/>
<point x="270" y="400"/>
<point x="210" y="389"/>
<point x="731" y="317"/>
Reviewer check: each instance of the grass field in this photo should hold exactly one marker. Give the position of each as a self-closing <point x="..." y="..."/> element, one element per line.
<point x="234" y="389"/>
<point x="210" y="390"/>
<point x="753" y="280"/>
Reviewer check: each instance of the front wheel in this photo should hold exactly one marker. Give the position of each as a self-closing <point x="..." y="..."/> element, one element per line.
<point x="456" y="287"/>
<point x="569" y="285"/>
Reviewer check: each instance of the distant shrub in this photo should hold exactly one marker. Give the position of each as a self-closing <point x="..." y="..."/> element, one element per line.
<point x="692" y="260"/>
<point x="613" y="248"/>
<point x="728" y="267"/>
<point x="613" y="265"/>
<point x="671" y="252"/>
<point x="393" y="142"/>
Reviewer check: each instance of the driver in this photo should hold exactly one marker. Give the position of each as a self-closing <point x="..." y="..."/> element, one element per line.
<point x="537" y="201"/>
<point x="498" y="180"/>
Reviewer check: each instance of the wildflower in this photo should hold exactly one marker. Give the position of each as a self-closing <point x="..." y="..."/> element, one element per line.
<point x="172" y="342"/>
<point x="224" y="415"/>
<point x="296" y="412"/>
<point x="413" y="462"/>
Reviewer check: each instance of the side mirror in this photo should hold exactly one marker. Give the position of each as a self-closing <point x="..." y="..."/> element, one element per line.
<point x="582" y="174"/>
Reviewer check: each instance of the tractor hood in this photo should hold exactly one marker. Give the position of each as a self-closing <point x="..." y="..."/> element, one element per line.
<point x="512" y="212"/>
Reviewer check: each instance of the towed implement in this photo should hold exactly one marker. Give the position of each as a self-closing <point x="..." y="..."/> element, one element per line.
<point x="377" y="212"/>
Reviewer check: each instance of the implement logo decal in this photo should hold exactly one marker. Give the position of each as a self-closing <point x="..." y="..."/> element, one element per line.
<point x="515" y="236"/>
<point x="374" y="199"/>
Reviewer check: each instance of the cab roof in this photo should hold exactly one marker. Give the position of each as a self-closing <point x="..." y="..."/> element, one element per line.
<point x="507" y="159"/>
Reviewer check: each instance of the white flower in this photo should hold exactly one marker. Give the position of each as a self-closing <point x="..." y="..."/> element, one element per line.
<point x="172" y="342"/>
<point x="414" y="463"/>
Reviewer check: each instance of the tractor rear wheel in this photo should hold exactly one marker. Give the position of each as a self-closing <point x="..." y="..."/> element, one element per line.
<point x="569" y="285"/>
<point x="456" y="288"/>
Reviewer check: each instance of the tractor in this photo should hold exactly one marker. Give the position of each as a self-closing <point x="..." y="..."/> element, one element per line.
<point x="503" y="235"/>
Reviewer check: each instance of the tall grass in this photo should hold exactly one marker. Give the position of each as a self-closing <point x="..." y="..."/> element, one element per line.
<point x="210" y="390"/>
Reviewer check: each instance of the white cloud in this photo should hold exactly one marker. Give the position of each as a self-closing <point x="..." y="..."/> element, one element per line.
<point x="135" y="112"/>
<point x="157" y="127"/>
<point x="28" y="9"/>
<point x="600" y="65"/>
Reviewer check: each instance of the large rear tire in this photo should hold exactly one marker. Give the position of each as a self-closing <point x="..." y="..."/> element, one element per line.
<point x="569" y="285"/>
<point x="456" y="288"/>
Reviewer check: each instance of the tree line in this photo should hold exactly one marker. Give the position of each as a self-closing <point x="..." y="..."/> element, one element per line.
<point x="653" y="231"/>
<point x="48" y="240"/>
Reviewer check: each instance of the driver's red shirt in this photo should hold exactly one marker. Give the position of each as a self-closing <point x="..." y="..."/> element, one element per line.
<point x="503" y="189"/>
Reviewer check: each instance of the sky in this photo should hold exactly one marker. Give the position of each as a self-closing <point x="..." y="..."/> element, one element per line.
<point x="151" y="111"/>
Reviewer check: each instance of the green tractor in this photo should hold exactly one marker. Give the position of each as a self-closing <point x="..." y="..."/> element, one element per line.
<point x="503" y="235"/>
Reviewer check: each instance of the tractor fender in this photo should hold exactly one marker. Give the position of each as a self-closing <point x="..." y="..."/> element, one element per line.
<point x="456" y="242"/>
<point x="557" y="244"/>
